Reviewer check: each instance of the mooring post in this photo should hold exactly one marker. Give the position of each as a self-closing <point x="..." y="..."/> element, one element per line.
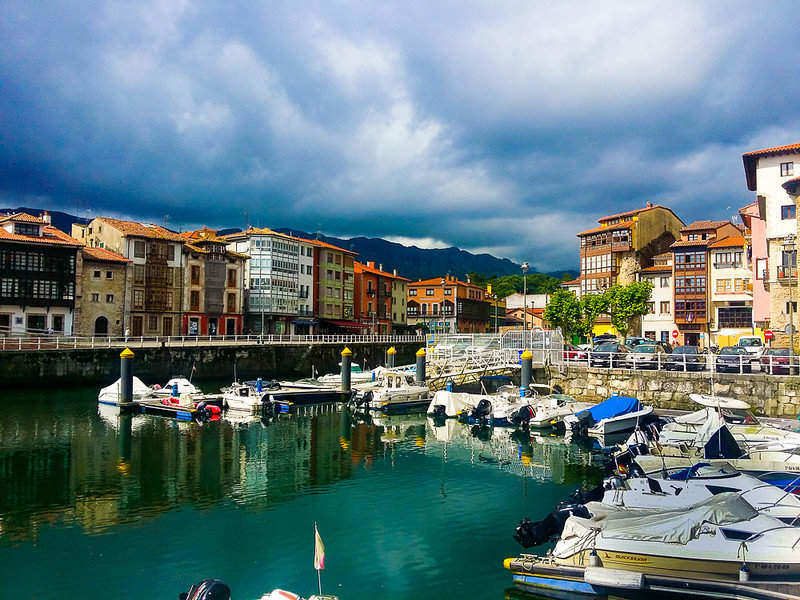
<point x="126" y="377"/>
<point x="347" y="357"/>
<point x="527" y="369"/>
<point x="390" y="357"/>
<point x="420" y="375"/>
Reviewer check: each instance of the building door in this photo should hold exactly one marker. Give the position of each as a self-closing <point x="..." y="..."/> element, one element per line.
<point x="58" y="323"/>
<point x="691" y="339"/>
<point x="137" y="326"/>
<point x="5" y="324"/>
<point x="101" y="326"/>
<point x="230" y="326"/>
<point x="166" y="328"/>
<point x="212" y="326"/>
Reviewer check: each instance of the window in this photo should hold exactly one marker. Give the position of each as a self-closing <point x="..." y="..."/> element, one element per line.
<point x="761" y="268"/>
<point x="664" y="283"/>
<point x="95" y="297"/>
<point x="664" y="307"/>
<point x="138" y="249"/>
<point x="651" y="308"/>
<point x="194" y="300"/>
<point x="109" y="298"/>
<point x="109" y="274"/>
<point x="665" y="337"/>
<point x="791" y="307"/>
<point x="788" y="211"/>
<point x="152" y="322"/>
<point x="412" y="292"/>
<point x="448" y="291"/>
<point x="232" y="277"/>
<point x="787" y="169"/>
<point x="138" y="299"/>
<point x="195" y="275"/>
<point x="735" y="316"/>
<point x="170" y="252"/>
<point x="429" y="291"/>
<point x="138" y="274"/>
<point x="231" y="304"/>
<point x="723" y="286"/>
<point x="96" y="275"/>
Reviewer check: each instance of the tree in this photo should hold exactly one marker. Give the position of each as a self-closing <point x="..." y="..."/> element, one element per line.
<point x="592" y="306"/>
<point x="564" y="310"/>
<point x="626" y="303"/>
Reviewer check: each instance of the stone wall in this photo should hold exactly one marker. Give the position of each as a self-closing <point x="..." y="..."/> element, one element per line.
<point x="771" y="395"/>
<point x="157" y="365"/>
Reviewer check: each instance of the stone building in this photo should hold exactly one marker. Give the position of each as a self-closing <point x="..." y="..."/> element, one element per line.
<point x="774" y="175"/>
<point x="103" y="292"/>
<point x="38" y="269"/>
<point x="157" y="263"/>
<point x="213" y="280"/>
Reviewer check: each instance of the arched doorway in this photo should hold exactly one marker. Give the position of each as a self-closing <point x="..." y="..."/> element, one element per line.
<point x="101" y="326"/>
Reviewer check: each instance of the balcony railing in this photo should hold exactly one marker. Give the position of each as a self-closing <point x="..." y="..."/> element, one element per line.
<point x="785" y="272"/>
<point x="728" y="264"/>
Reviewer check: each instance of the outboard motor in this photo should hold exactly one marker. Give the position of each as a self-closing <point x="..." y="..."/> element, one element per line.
<point x="208" y="589"/>
<point x="534" y="533"/>
<point x="523" y="416"/>
<point x="483" y="410"/>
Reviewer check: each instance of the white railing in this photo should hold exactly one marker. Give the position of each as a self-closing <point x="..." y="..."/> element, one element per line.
<point x="721" y="363"/>
<point x="51" y="342"/>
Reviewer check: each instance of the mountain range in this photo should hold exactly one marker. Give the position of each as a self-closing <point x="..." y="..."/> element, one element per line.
<point x="410" y="261"/>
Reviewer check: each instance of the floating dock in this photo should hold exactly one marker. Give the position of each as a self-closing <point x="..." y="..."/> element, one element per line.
<point x="541" y="576"/>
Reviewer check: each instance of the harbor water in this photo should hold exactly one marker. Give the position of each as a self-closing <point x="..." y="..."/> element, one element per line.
<point x="406" y="509"/>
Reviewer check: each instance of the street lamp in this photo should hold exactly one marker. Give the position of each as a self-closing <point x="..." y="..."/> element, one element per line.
<point x="524" y="266"/>
<point x="494" y="300"/>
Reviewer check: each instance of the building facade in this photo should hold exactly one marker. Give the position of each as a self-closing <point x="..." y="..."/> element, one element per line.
<point x="757" y="257"/>
<point x="213" y="281"/>
<point x="774" y="175"/>
<point x="103" y="292"/>
<point x="38" y="270"/>
<point x="690" y="260"/>
<point x="376" y="298"/>
<point x="334" y="283"/>
<point x="448" y="305"/>
<point x="156" y="255"/>
<point x="306" y="322"/>
<point x="659" y="323"/>
<point x="731" y="290"/>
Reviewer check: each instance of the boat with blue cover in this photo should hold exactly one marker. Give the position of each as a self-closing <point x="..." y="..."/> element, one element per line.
<point x="615" y="415"/>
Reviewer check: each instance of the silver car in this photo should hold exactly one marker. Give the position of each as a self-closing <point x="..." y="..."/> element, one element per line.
<point x="650" y="355"/>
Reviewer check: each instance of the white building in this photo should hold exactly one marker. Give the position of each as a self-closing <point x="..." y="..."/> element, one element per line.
<point x="774" y="175"/>
<point x="305" y="323"/>
<point x="533" y="301"/>
<point x="731" y="291"/>
<point x="659" y="323"/>
<point x="271" y="279"/>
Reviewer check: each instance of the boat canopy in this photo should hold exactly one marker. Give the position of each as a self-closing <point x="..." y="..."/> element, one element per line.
<point x="677" y="526"/>
<point x="114" y="391"/>
<point x="719" y="402"/>
<point x="613" y="407"/>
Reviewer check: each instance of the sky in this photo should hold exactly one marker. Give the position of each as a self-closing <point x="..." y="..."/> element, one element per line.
<point x="500" y="127"/>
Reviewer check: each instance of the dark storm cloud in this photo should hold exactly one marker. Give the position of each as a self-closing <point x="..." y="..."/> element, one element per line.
<point x="498" y="127"/>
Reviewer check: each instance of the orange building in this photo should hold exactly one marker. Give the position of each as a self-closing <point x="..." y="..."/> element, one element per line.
<point x="448" y="305"/>
<point x="373" y="297"/>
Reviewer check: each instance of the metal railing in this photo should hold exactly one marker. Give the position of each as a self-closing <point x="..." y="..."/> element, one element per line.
<point x="53" y="342"/>
<point x="721" y="363"/>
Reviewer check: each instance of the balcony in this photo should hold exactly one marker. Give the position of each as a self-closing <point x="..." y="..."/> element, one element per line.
<point x="786" y="273"/>
<point x="728" y="265"/>
<point x="621" y="246"/>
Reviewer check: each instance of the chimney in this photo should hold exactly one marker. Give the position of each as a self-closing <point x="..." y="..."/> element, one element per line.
<point x="380" y="267"/>
<point x="47" y="218"/>
<point x="371" y="264"/>
<point x="394" y="272"/>
<point x="649" y="204"/>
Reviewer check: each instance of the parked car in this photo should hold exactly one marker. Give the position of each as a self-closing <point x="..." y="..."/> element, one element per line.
<point x="647" y="356"/>
<point x="776" y="361"/>
<point x="608" y="354"/>
<point x="733" y="359"/>
<point x="632" y="342"/>
<point x="685" y="358"/>
<point x="603" y="338"/>
<point x="753" y="344"/>
<point x="574" y="353"/>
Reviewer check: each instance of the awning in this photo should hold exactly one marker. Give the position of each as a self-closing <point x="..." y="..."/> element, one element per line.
<point x="344" y="324"/>
<point x="302" y="321"/>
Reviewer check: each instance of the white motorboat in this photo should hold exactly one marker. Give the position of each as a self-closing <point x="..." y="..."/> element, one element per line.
<point x="711" y="539"/>
<point x="357" y="376"/>
<point x="615" y="415"/>
<point x="281" y="397"/>
<point x="683" y="488"/>
<point x="394" y="391"/>
<point x="112" y="394"/>
<point x="177" y="387"/>
<point x="550" y="410"/>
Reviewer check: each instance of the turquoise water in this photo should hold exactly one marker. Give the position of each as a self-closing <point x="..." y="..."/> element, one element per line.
<point x="406" y="510"/>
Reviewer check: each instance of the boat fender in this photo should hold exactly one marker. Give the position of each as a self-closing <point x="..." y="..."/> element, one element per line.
<point x="744" y="573"/>
<point x="208" y="589"/>
<point x="613" y="578"/>
<point x="594" y="559"/>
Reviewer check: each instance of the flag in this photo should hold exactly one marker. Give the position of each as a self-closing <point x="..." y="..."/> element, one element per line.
<point x="319" y="551"/>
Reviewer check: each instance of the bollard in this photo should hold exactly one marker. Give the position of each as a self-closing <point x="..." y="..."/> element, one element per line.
<point x="347" y="356"/>
<point x="126" y="376"/>
<point x="390" y="357"/>
<point x="527" y="369"/>
<point x="259" y="385"/>
<point x="420" y="375"/>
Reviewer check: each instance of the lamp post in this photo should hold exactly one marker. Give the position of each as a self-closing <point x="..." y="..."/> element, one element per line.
<point x="494" y="301"/>
<point x="790" y="247"/>
<point x="443" y="283"/>
<point x="524" y="266"/>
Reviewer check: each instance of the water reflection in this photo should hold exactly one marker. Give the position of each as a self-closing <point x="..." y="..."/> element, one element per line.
<point x="98" y="470"/>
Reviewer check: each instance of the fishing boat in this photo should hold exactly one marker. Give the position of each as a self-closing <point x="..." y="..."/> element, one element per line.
<point x="615" y="415"/>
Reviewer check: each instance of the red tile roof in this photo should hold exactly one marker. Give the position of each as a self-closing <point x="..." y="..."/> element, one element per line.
<point x="614" y="227"/>
<point x="732" y="241"/>
<point x="148" y="231"/>
<point x="51" y="236"/>
<point x="658" y="269"/>
<point x="628" y="213"/>
<point x="437" y="281"/>
<point x="102" y="255"/>
<point x="572" y="282"/>
<point x="21" y="217"/>
<point x="689" y="243"/>
<point x="363" y="268"/>
<point x="749" y="159"/>
<point x="701" y="225"/>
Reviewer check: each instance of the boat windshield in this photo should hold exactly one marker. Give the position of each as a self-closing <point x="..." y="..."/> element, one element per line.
<point x="644" y="349"/>
<point x="739" y="417"/>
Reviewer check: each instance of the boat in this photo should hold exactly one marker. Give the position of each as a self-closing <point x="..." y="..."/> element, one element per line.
<point x="357" y="375"/>
<point x="177" y="387"/>
<point x="111" y="395"/>
<point x="394" y="391"/>
<point x="615" y="415"/>
<point x="280" y="397"/>
<point x="215" y="589"/>
<point x="549" y="411"/>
